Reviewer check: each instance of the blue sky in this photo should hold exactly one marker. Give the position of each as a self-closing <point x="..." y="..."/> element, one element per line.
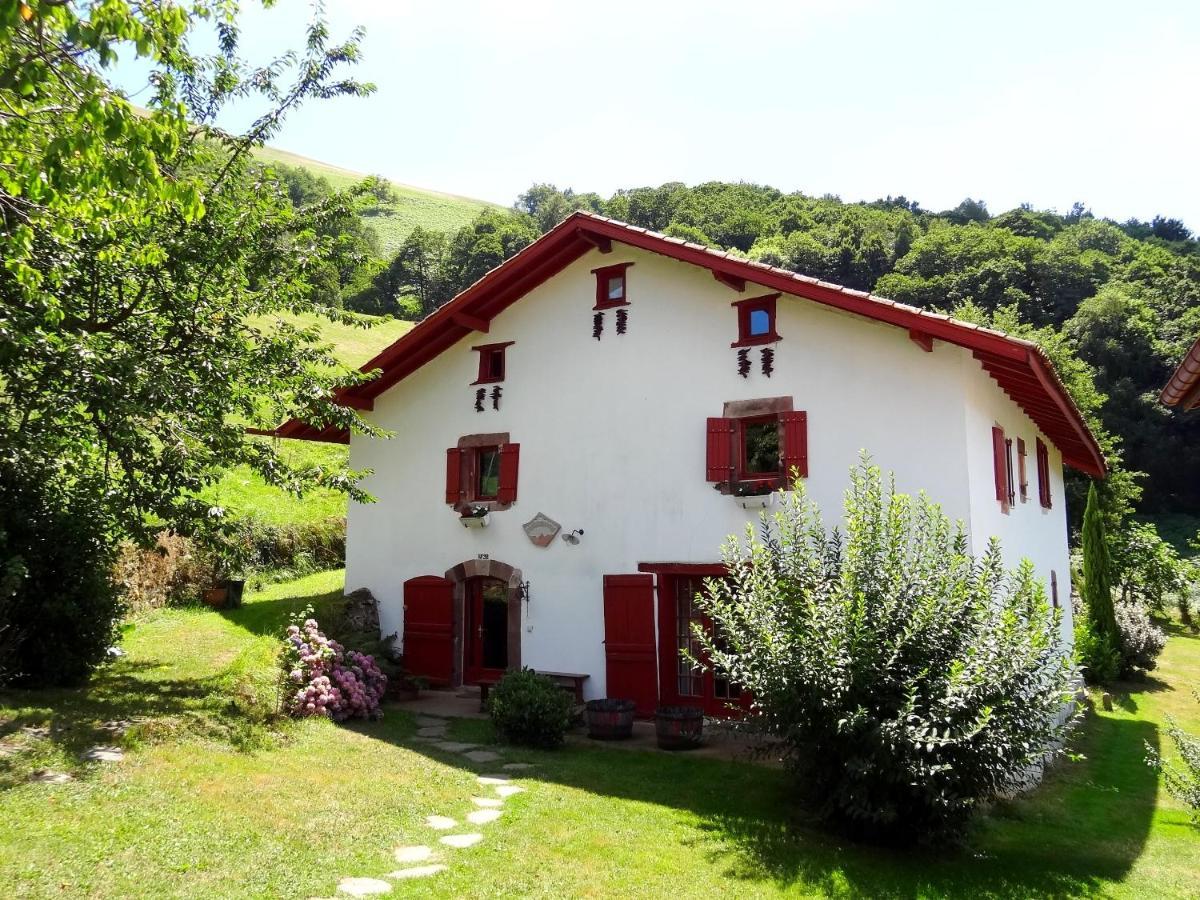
<point x="1047" y="102"/>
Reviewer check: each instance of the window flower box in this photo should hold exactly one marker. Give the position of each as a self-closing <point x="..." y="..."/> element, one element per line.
<point x="475" y="517"/>
<point x="753" y="494"/>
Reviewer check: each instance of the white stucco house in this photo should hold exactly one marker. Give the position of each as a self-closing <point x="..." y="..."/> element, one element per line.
<point x="606" y="396"/>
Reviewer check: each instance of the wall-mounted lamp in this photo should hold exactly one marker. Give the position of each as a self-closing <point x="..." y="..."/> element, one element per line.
<point x="523" y="592"/>
<point x="573" y="537"/>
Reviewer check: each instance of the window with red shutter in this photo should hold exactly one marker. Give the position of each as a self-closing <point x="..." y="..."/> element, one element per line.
<point x="1022" y="470"/>
<point x="612" y="288"/>
<point x="454" y="458"/>
<point x="795" y="444"/>
<point x="510" y="455"/>
<point x="1000" y="465"/>
<point x="1043" y="466"/>
<point x="720" y="449"/>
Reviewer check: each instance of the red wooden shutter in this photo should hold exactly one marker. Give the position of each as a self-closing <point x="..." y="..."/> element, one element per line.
<point x="1043" y="465"/>
<point x="629" y="649"/>
<point x="1000" y="463"/>
<point x="1022" y="471"/>
<point x="795" y="443"/>
<point x="720" y="449"/>
<point x="510" y="455"/>
<point x="453" y="476"/>
<point x="429" y="628"/>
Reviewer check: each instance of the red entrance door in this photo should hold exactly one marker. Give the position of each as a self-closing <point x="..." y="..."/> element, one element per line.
<point x="629" y="651"/>
<point x="429" y="628"/>
<point x="486" y="644"/>
<point x="680" y="682"/>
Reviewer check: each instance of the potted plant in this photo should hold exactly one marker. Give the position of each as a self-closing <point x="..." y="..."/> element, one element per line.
<point x="610" y="719"/>
<point x="231" y="555"/>
<point x="405" y="687"/>
<point x="754" y="494"/>
<point x="679" y="727"/>
<point x="474" y="517"/>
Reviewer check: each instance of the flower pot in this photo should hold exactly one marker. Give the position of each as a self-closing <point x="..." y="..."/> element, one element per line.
<point x="610" y="720"/>
<point x="756" y="501"/>
<point x="679" y="727"/>
<point x="474" y="521"/>
<point x="215" y="597"/>
<point x="234" y="587"/>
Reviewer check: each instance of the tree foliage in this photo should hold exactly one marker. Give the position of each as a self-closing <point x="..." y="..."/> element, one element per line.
<point x="150" y="264"/>
<point x="907" y="681"/>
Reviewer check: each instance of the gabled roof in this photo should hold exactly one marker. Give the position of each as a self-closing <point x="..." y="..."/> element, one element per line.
<point x="1183" y="390"/>
<point x="1020" y="367"/>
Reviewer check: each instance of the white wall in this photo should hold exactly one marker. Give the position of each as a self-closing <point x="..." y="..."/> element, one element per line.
<point x="1026" y="530"/>
<point x="612" y="436"/>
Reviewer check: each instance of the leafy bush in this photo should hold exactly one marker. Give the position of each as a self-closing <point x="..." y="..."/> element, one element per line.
<point x="58" y="605"/>
<point x="173" y="571"/>
<point x="1141" y="641"/>
<point x="528" y="708"/>
<point x="324" y="679"/>
<point x="1097" y="655"/>
<point x="907" y="681"/>
<point x="1182" y="781"/>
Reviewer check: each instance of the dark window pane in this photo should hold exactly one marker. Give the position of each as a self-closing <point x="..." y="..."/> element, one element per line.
<point x="488" y="466"/>
<point x="496" y="364"/>
<point x="689" y="677"/>
<point x="760" y="445"/>
<point x="616" y="287"/>
<point x="494" y="638"/>
<point x="760" y="322"/>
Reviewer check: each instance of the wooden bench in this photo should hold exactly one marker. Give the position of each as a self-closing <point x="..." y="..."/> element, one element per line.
<point x="571" y="682"/>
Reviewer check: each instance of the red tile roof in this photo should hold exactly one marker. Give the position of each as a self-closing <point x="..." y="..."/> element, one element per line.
<point x="1183" y="390"/>
<point x="1020" y="367"/>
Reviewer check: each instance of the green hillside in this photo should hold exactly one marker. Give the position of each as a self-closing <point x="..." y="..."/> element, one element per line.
<point x="392" y="221"/>
<point x="244" y="493"/>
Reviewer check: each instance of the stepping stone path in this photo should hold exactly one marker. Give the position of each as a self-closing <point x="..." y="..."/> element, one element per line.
<point x="51" y="777"/>
<point x="363" y="887"/>
<point x="462" y="840"/>
<point x="104" y="754"/>
<point x="432" y="730"/>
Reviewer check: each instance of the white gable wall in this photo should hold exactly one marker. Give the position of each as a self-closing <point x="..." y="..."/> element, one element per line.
<point x="612" y="436"/>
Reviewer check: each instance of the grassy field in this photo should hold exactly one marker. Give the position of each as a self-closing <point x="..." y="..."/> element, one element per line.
<point x="213" y="801"/>
<point x="393" y="221"/>
<point x="245" y="493"/>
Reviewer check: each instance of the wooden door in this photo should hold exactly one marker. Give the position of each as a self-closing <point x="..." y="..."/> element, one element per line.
<point x="680" y="682"/>
<point x="429" y="628"/>
<point x="629" y="650"/>
<point x="486" y="632"/>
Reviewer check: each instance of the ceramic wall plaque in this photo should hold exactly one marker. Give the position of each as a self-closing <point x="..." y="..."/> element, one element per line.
<point x="541" y="529"/>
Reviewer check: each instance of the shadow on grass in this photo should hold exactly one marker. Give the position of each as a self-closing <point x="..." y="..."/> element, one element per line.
<point x="1085" y="826"/>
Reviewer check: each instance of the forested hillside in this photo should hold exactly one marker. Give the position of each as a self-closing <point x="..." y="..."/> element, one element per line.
<point x="1115" y="303"/>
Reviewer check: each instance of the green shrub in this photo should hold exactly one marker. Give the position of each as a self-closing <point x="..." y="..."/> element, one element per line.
<point x="1183" y="780"/>
<point x="908" y="682"/>
<point x="1097" y="655"/>
<point x="530" y="709"/>
<point x="58" y="604"/>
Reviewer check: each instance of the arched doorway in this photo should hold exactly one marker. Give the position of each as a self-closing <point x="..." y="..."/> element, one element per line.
<point x="487" y="619"/>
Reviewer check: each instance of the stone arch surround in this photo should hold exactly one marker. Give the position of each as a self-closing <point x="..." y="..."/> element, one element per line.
<point x="485" y="568"/>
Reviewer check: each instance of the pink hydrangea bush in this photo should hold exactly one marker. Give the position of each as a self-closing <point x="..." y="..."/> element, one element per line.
<point x="325" y="679"/>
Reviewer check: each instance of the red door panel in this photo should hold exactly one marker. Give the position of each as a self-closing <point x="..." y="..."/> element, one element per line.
<point x="429" y="628"/>
<point x="629" y="651"/>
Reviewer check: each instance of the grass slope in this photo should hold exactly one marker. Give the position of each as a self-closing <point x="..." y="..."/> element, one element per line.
<point x="245" y="493"/>
<point x="393" y="221"/>
<point x="189" y="814"/>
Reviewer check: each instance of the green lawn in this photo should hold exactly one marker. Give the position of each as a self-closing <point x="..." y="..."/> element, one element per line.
<point x="393" y="221"/>
<point x="213" y="801"/>
<point x="245" y="493"/>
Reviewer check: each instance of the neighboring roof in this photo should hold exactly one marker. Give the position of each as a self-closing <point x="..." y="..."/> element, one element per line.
<point x="1183" y="390"/>
<point x="1020" y="367"/>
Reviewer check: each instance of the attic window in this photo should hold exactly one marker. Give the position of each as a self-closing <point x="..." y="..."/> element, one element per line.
<point x="612" y="288"/>
<point x="491" y="362"/>
<point x="756" y="321"/>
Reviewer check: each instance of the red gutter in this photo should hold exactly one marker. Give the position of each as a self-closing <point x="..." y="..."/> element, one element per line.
<point x="1183" y="390"/>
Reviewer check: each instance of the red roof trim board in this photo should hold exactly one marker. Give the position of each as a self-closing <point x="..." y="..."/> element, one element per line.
<point x="1019" y="367"/>
<point x="1183" y="390"/>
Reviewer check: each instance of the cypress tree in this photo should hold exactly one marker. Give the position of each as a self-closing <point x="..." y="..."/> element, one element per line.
<point x="1097" y="572"/>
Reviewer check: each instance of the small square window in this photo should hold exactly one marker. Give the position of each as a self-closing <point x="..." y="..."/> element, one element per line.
<point x="756" y="321"/>
<point x="612" y="287"/>
<point x="760" y="447"/>
<point x="487" y="473"/>
<point x="491" y="362"/>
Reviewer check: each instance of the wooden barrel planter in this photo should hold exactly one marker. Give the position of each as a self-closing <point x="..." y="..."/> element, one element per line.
<point x="679" y="727"/>
<point x="610" y="720"/>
